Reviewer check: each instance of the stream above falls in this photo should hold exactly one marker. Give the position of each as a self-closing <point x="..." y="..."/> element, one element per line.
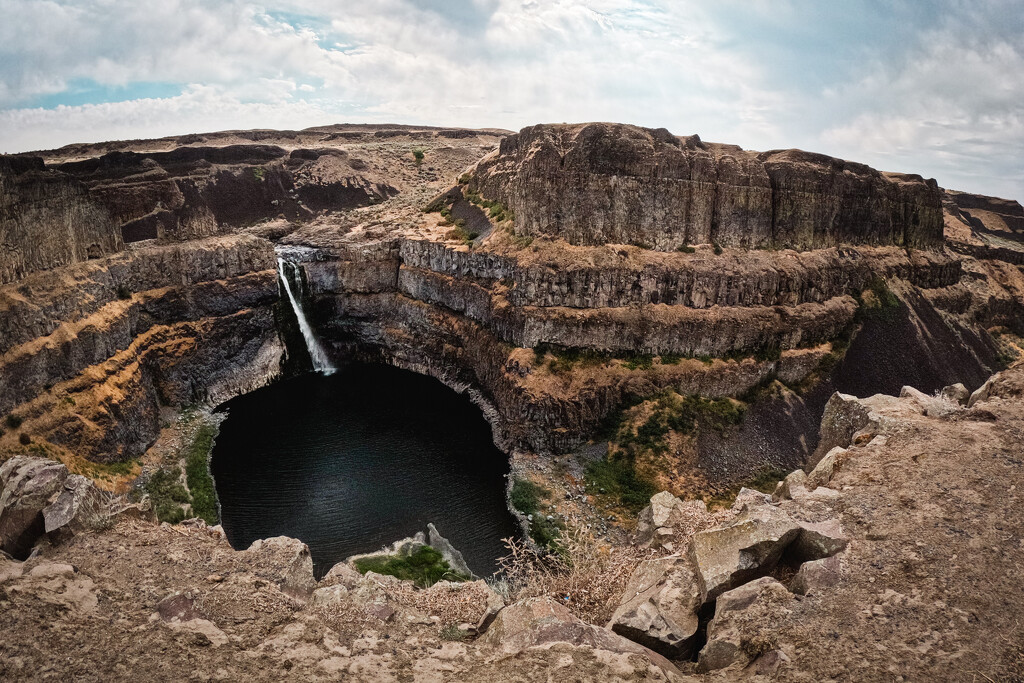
<point x="355" y="460"/>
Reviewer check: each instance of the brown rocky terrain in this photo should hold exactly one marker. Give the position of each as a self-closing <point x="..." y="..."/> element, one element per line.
<point x="572" y="280"/>
<point x="912" y="521"/>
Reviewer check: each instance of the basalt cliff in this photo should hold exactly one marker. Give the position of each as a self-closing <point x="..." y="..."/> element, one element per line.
<point x="605" y="293"/>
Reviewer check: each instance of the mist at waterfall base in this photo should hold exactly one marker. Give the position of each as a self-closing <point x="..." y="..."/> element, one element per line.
<point x="353" y="461"/>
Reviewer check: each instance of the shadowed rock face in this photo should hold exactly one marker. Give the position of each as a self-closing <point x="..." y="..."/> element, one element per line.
<point x="48" y="220"/>
<point x="610" y="183"/>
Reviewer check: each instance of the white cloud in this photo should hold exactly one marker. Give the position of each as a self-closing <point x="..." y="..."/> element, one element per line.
<point x="850" y="80"/>
<point x="953" y="107"/>
<point x="198" y="109"/>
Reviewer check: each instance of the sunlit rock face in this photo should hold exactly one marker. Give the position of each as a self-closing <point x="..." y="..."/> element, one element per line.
<point x="604" y="183"/>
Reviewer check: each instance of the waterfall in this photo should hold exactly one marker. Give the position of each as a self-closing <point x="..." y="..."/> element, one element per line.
<point x="320" y="361"/>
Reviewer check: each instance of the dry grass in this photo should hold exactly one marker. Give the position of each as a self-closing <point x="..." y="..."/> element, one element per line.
<point x="454" y="603"/>
<point x="584" y="575"/>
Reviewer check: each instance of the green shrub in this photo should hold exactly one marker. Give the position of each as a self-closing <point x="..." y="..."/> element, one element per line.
<point x="170" y="513"/>
<point x="545" y="532"/>
<point x="766" y="479"/>
<point x="672" y="413"/>
<point x="425" y="567"/>
<point x="164" y="484"/>
<point x="197" y="472"/>
<point x="24" y="439"/>
<point x="120" y="468"/>
<point x="464" y="179"/>
<point x="521" y="241"/>
<point x="686" y="249"/>
<point x="670" y="359"/>
<point x="259" y="173"/>
<point x="437" y="204"/>
<point x="497" y="211"/>
<point x="618" y="477"/>
<point x="526" y="496"/>
<point x="567" y="359"/>
<point x="123" y="293"/>
<point x="418" y="155"/>
<point x="883" y="302"/>
<point x="13" y="421"/>
<point x="452" y="632"/>
<point x="642" y="361"/>
<point x="717" y="248"/>
<point x="460" y="234"/>
<point x="168" y="495"/>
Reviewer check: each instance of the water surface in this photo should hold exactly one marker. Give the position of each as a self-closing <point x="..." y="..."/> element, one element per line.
<point x="353" y="461"/>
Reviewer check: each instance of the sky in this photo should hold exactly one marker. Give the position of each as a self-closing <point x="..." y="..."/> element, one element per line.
<point x="934" y="87"/>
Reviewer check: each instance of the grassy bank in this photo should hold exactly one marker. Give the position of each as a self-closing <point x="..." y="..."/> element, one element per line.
<point x="527" y="498"/>
<point x="175" y="497"/>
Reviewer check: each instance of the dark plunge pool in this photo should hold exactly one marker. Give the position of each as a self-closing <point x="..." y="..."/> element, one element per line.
<point x="353" y="461"/>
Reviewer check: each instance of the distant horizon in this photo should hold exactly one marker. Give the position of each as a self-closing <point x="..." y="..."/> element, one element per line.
<point x="491" y="128"/>
<point x="925" y="88"/>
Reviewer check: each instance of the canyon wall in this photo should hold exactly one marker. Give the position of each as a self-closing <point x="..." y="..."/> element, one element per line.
<point x="89" y="353"/>
<point x="600" y="183"/>
<point x="188" y="310"/>
<point x="48" y="219"/>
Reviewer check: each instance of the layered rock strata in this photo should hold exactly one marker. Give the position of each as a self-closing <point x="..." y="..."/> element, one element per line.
<point x="604" y="183"/>
<point x="89" y="357"/>
<point x="386" y="281"/>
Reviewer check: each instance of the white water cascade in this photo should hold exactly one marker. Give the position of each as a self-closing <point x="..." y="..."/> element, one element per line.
<point x="320" y="361"/>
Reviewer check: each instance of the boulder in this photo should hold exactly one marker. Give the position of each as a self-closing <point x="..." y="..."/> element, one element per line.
<point x="29" y="485"/>
<point x="784" y="491"/>
<point x="726" y="557"/>
<point x="981" y="393"/>
<point x="931" y="406"/>
<point x="284" y="560"/>
<point x="328" y="596"/>
<point x="452" y="556"/>
<point x="492" y="608"/>
<point x="179" y="606"/>
<point x="826" y="468"/>
<point x="818" y="540"/>
<point x="658" y="607"/>
<point x="843" y="417"/>
<point x="957" y="393"/>
<point x="667" y="520"/>
<point x="543" y="623"/>
<point x="742" y="628"/>
<point x="58" y="584"/>
<point x="749" y="498"/>
<point x="817" y="575"/>
<point x="752" y="546"/>
<point x="493" y="604"/>
<point x="10" y="569"/>
<point x="79" y="506"/>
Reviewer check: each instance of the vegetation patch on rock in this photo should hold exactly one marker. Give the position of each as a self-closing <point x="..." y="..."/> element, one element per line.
<point x="644" y="435"/>
<point x="425" y="567"/>
<point x="197" y="472"/>
<point x="527" y="497"/>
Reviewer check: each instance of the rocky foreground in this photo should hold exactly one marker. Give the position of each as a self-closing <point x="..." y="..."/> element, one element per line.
<point x="897" y="557"/>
